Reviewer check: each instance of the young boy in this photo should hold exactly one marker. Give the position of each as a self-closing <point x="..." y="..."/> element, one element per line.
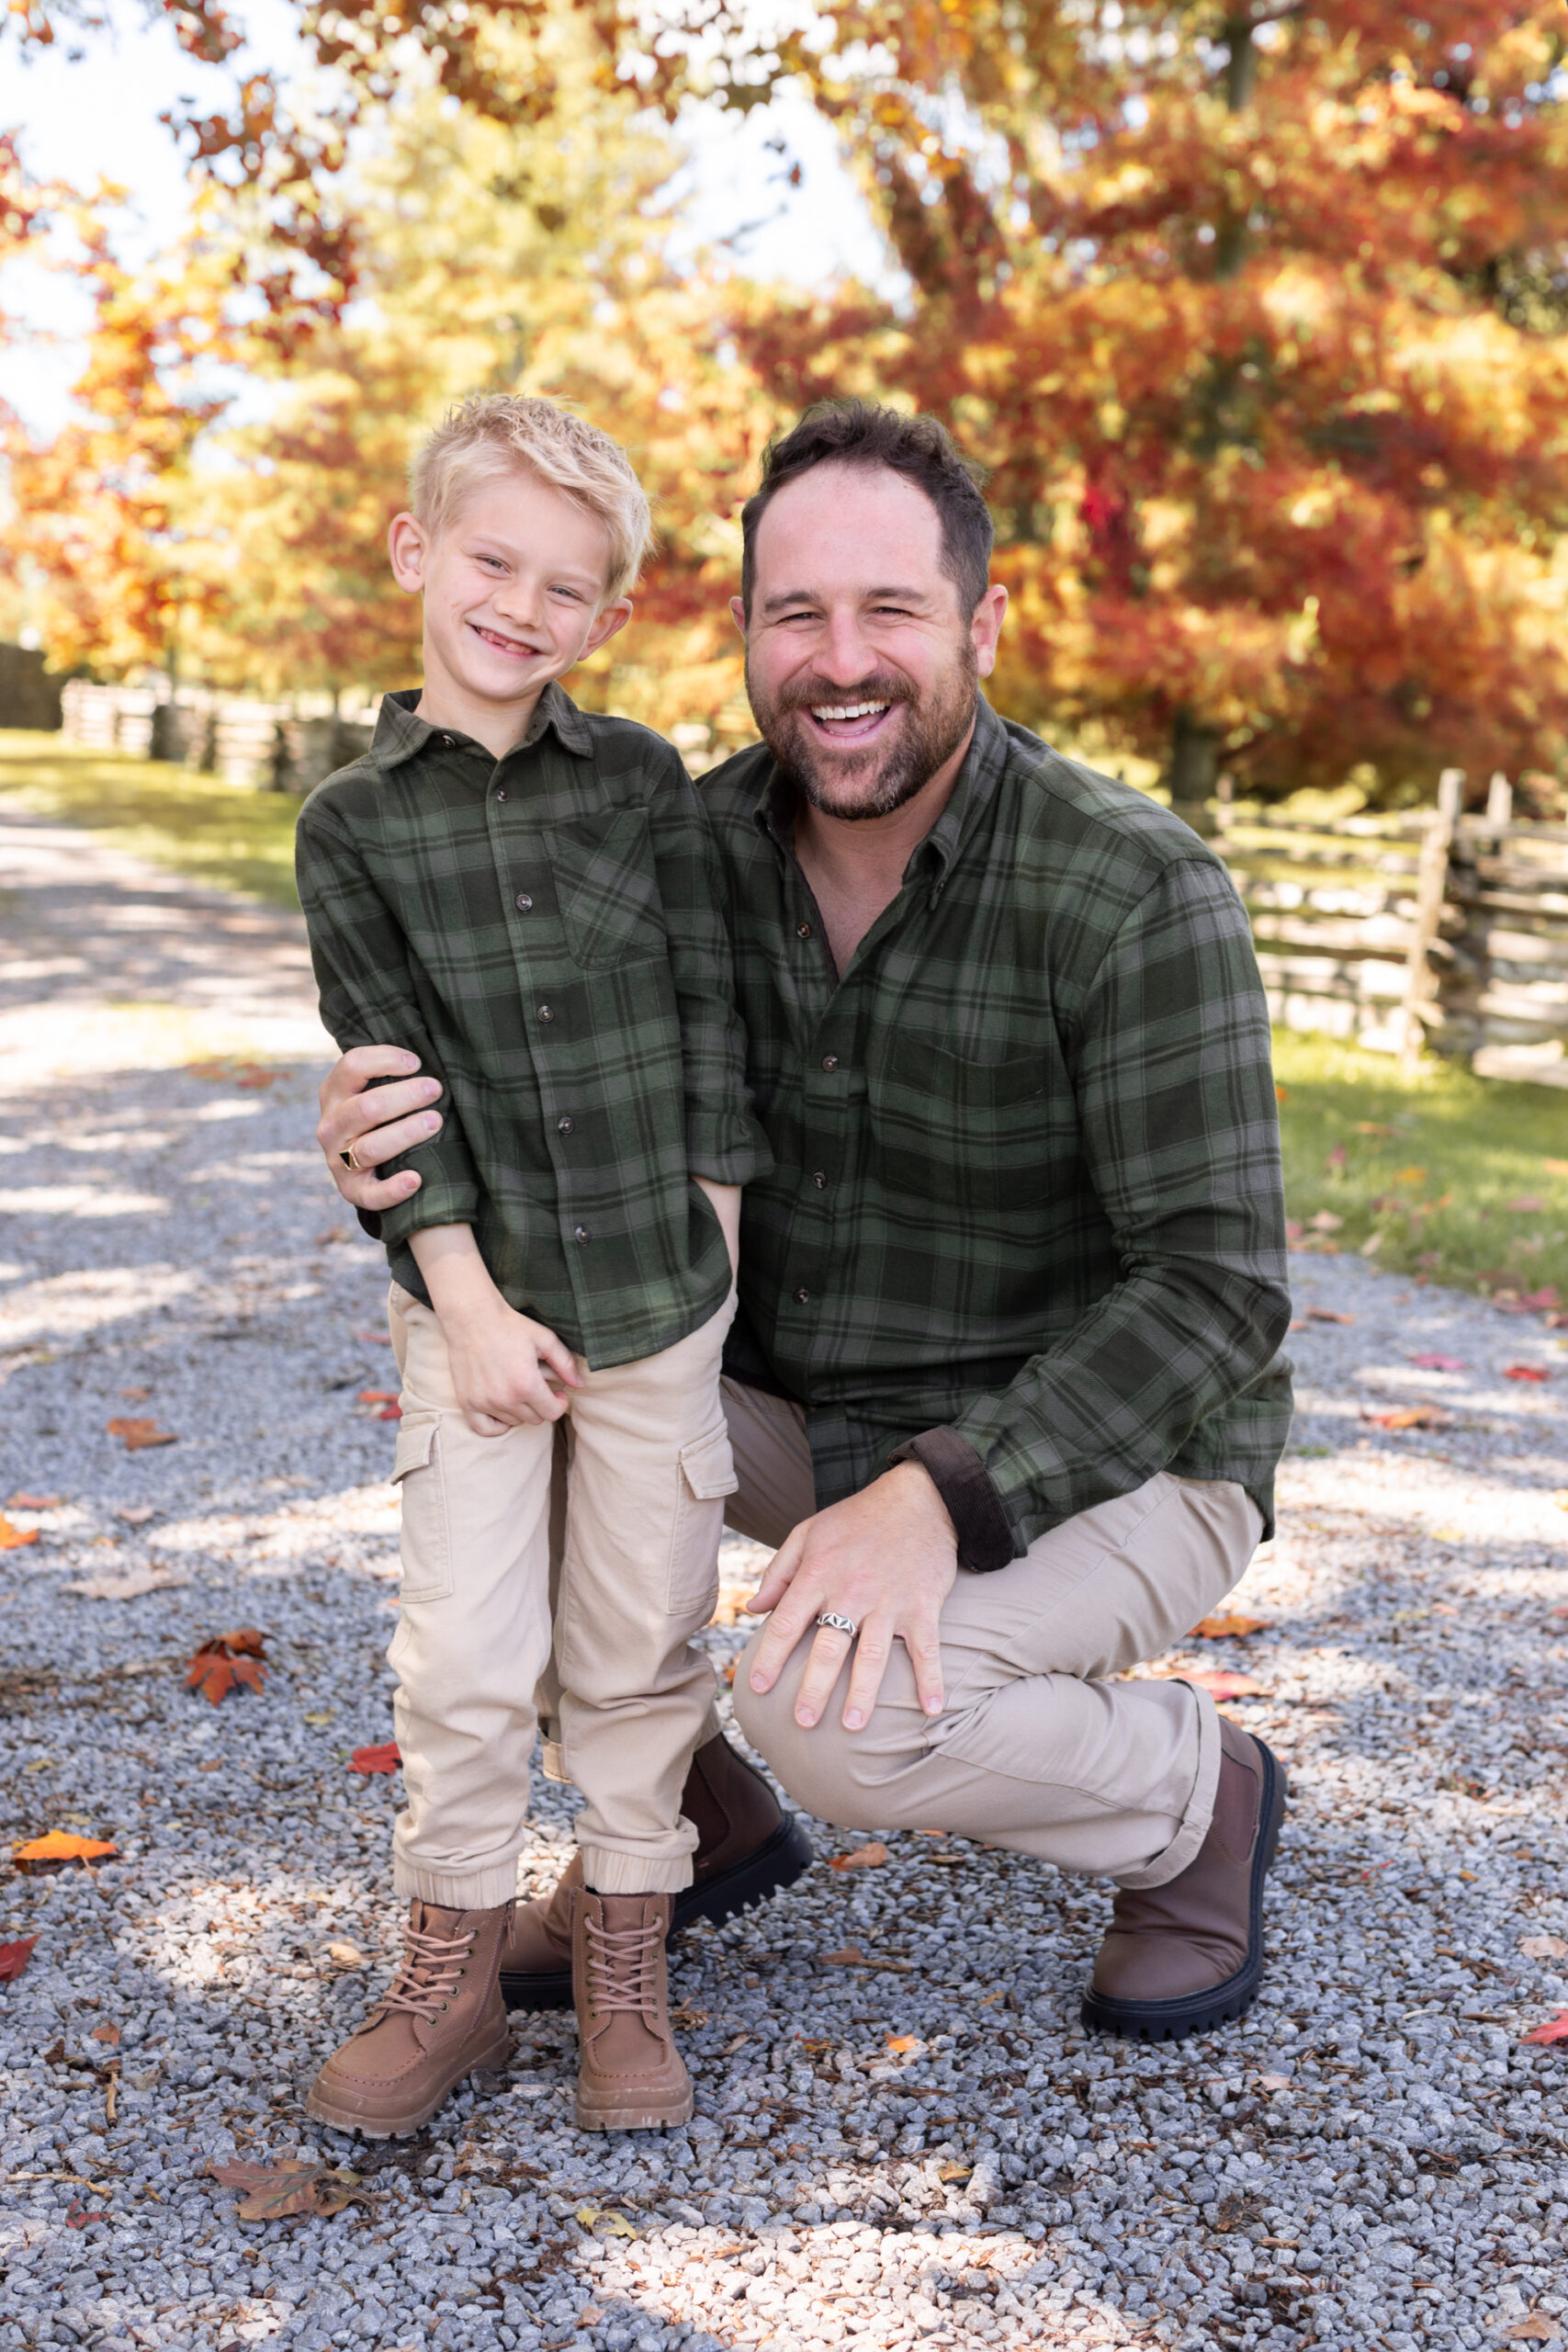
<point x="527" y="898"/>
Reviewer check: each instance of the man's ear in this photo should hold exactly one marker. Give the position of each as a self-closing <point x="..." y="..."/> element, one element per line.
<point x="986" y="627"/>
<point x="608" y="623"/>
<point x="738" y="613"/>
<point x="408" y="543"/>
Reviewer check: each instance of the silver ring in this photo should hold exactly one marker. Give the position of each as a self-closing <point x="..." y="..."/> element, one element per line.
<point x="838" y="1624"/>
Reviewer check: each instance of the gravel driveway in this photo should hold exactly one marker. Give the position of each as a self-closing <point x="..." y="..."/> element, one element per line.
<point x="902" y="2134"/>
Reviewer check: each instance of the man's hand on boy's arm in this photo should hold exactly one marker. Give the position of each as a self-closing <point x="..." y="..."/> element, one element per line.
<point x="375" y="1122"/>
<point x="725" y="1202"/>
<point x="498" y="1357"/>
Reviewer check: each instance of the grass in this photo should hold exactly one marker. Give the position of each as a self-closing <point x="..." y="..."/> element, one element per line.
<point x="1450" y="1178"/>
<point x="215" y="833"/>
<point x="1429" y="1169"/>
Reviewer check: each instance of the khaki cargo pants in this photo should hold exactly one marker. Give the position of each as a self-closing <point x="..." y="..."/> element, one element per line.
<point x="649" y="1470"/>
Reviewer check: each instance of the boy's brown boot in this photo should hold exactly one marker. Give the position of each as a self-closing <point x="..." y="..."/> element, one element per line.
<point x="442" y="2016"/>
<point x="630" y="2076"/>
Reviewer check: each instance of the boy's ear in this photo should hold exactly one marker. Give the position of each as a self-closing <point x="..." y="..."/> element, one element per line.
<point x="407" y="544"/>
<point x="608" y="623"/>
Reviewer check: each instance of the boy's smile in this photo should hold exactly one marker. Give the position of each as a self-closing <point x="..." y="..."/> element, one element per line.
<point x="514" y="584"/>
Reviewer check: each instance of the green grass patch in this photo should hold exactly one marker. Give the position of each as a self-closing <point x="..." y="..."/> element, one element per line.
<point x="1457" y="1179"/>
<point x="215" y="833"/>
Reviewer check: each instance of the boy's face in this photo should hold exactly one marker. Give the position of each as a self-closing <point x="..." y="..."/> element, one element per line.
<point x="513" y="585"/>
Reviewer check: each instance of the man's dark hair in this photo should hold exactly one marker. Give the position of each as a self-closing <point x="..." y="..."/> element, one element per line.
<point x="861" y="433"/>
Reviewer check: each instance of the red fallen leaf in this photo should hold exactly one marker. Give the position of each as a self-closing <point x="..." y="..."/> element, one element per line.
<point x="109" y="2033"/>
<point x="865" y="1857"/>
<point x="384" y="1758"/>
<point x="1228" y="1625"/>
<point x="1327" y="1314"/>
<point x="389" y="1413"/>
<point x="138" y="1433"/>
<point x="13" y="1538"/>
<point x="1229" y="1686"/>
<point x="225" y="1662"/>
<point x="62" y="1845"/>
<point x="261" y="1078"/>
<point x="1524" y="1372"/>
<point x="32" y="1502"/>
<point x="1530" y="1301"/>
<point x="1411" y="1416"/>
<point x="14" y="1958"/>
<point x="1555" y="2029"/>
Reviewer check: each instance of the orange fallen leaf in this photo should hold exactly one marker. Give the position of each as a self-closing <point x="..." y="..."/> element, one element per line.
<point x="865" y="1857"/>
<point x="109" y="2033"/>
<point x="63" y="1846"/>
<point x="377" y="1396"/>
<point x="225" y="1662"/>
<point x="1555" y="2029"/>
<point x="139" y="1433"/>
<point x="1281" y="1093"/>
<point x="280" y="2192"/>
<point x="1327" y="1314"/>
<point x="13" y="1538"/>
<point x="1228" y="1686"/>
<point x="14" y="1958"/>
<point x="384" y="1758"/>
<point x="1229" y="1625"/>
<point x="1410" y="1417"/>
<point x="899" y="2044"/>
<point x="1524" y="1372"/>
<point x="32" y="1502"/>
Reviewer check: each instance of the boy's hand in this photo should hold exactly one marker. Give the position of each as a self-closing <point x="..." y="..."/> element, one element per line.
<point x="499" y="1358"/>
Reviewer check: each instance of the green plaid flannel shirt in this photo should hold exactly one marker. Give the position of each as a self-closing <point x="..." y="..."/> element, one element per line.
<point x="1025" y="1216"/>
<point x="543" y="931"/>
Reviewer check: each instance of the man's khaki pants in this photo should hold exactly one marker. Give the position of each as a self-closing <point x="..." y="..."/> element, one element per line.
<point x="648" y="1469"/>
<point x="1035" y="1748"/>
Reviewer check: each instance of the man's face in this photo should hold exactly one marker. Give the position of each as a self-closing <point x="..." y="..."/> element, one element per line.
<point x="862" y="668"/>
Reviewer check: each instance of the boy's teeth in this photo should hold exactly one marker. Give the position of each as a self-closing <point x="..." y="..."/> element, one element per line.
<point x="850" y="710"/>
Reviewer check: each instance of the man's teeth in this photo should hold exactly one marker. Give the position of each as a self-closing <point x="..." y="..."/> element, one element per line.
<point x="848" y="710"/>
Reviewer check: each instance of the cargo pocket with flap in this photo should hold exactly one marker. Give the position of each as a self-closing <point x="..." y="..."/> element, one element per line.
<point x="706" y="1477"/>
<point x="426" y="1540"/>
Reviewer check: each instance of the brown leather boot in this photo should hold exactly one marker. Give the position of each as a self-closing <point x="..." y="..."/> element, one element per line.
<point x="1189" y="1955"/>
<point x="442" y="2016"/>
<point x="630" y="2074"/>
<point x="747" y="1848"/>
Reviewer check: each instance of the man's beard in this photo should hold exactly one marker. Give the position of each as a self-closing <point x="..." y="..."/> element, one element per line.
<point x="875" y="780"/>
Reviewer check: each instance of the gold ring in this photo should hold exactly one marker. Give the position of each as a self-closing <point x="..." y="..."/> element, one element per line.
<point x="349" y="1161"/>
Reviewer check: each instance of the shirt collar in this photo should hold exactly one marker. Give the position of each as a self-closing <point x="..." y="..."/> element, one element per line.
<point x="400" y="735"/>
<point x="973" y="790"/>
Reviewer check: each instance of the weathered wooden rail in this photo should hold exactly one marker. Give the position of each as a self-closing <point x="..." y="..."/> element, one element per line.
<point x="278" y="747"/>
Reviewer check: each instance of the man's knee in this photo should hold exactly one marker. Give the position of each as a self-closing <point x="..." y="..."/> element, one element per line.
<point x="832" y="1772"/>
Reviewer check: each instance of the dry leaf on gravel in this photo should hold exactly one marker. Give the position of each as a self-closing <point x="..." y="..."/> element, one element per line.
<point x="346" y="1955"/>
<point x="899" y="2044"/>
<point x="1327" y="1314"/>
<point x="851" y="1956"/>
<point x="1410" y="1417"/>
<point x="952" y="2172"/>
<point x="1543" y="1947"/>
<point x="606" y="2218"/>
<point x="1555" y="2029"/>
<point x="129" y="1587"/>
<point x="138" y="1434"/>
<point x="20" y="1501"/>
<point x="1229" y="1625"/>
<point x="14" y="1958"/>
<point x="1524" y="1372"/>
<point x="1538" y="2329"/>
<point x="1229" y="1686"/>
<point x="280" y="2192"/>
<point x="57" y="1847"/>
<point x="109" y="2033"/>
<point x="865" y="1857"/>
<point x="385" y="1759"/>
<point x="226" y="1661"/>
<point x="13" y="1538"/>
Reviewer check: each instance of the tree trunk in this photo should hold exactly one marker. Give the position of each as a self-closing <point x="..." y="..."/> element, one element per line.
<point x="1194" y="763"/>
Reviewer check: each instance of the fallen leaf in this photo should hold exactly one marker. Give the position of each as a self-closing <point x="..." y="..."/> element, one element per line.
<point x="136" y="1395"/>
<point x="1326" y="1222"/>
<point x="1274" y="2082"/>
<point x="346" y="1955"/>
<point x="1228" y="1625"/>
<point x="140" y="1434"/>
<point x="377" y="1396"/>
<point x="605" y="2217"/>
<point x="1524" y="1372"/>
<point x="14" y="1958"/>
<point x="1327" y="1314"/>
<point x="865" y="1857"/>
<point x="852" y="1957"/>
<point x="13" y="1538"/>
<point x="1281" y="1093"/>
<point x="688" y="2018"/>
<point x="1410" y="1417"/>
<point x="385" y="1759"/>
<point x="19" y="1502"/>
<point x="950" y="2172"/>
<point x="1410" y="1176"/>
<point x="1228" y="1686"/>
<point x="134" y="1582"/>
<point x="899" y="2044"/>
<point x="225" y="1662"/>
<point x="1438" y="1363"/>
<point x="109" y="2033"/>
<point x="137" y="1514"/>
<point x="278" y="2192"/>
<point x="1543" y="1947"/>
<point x="144" y="2082"/>
<point x="62" y="1845"/>
<point x="1555" y="2029"/>
<point x="591" y="2314"/>
<point x="374" y="1339"/>
<point x="1537" y="2328"/>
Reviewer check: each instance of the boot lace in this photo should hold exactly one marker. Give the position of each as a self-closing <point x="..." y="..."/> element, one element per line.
<point x="428" y="1973"/>
<point x="623" y="1965"/>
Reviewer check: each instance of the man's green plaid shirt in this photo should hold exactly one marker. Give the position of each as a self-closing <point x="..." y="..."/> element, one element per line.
<point x="544" y="931"/>
<point x="1025" y="1208"/>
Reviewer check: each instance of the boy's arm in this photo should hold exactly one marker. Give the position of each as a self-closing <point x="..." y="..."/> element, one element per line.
<point x="498" y="1356"/>
<point x="725" y="1202"/>
<point x="368" y="998"/>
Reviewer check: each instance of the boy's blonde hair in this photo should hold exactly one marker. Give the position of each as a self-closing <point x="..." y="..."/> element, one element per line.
<point x="494" y="434"/>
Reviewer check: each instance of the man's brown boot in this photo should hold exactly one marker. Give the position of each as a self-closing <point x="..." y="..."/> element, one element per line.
<point x="1189" y="1955"/>
<point x="748" y="1847"/>
<point x="630" y="2075"/>
<point x="442" y="2016"/>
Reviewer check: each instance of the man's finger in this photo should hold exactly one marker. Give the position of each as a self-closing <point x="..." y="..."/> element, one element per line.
<point x="368" y="1191"/>
<point x="872" y="1652"/>
<point x="353" y="1070"/>
<point x="923" y="1641"/>
<point x="779" y="1575"/>
<point x="823" y="1667"/>
<point x="380" y="1124"/>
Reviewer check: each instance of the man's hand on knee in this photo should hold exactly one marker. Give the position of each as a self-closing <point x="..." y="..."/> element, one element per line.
<point x="375" y="1123"/>
<point x="887" y="1559"/>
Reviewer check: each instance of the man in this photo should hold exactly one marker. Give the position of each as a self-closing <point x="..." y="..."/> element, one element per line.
<point x="1004" y="1389"/>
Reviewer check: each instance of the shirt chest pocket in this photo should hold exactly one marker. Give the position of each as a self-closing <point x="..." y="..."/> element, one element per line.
<point x="968" y="1134"/>
<point x="607" y="890"/>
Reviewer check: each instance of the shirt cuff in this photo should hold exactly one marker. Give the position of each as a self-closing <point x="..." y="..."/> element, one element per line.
<point x="961" y="1478"/>
<point x="726" y="1150"/>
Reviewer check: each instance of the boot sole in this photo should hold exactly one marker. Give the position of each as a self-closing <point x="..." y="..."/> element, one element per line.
<point x="648" y="2120"/>
<point x="322" y="2110"/>
<point x="776" y="1863"/>
<point x="1219" y="2003"/>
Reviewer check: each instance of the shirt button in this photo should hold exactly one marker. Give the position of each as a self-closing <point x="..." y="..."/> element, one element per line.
<point x="802" y="931"/>
<point x="563" y="1127"/>
<point x="801" y="1296"/>
<point x="579" y="1233"/>
<point x="523" y="902"/>
<point x="820" y="1179"/>
<point x="501" y="792"/>
<point x="830" y="1061"/>
<point x="547" y="1013"/>
<point x="450" y="741"/>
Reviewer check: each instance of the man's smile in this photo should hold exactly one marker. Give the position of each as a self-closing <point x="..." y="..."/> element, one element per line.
<point x="851" y="722"/>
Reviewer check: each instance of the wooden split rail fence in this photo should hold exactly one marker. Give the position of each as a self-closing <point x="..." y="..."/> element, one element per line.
<point x="269" y="747"/>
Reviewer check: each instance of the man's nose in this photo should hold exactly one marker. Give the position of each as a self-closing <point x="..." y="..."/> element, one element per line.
<point x="843" y="653"/>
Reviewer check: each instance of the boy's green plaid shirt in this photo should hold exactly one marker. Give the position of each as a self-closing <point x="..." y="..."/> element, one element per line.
<point x="1026" y="1186"/>
<point x="543" y="931"/>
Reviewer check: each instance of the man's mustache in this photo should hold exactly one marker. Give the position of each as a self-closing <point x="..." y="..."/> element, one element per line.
<point x="802" y="693"/>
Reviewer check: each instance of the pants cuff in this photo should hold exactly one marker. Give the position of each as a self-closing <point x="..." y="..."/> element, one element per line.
<point x="1183" y="1847"/>
<point x="612" y="1873"/>
<point x="484" y="1890"/>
